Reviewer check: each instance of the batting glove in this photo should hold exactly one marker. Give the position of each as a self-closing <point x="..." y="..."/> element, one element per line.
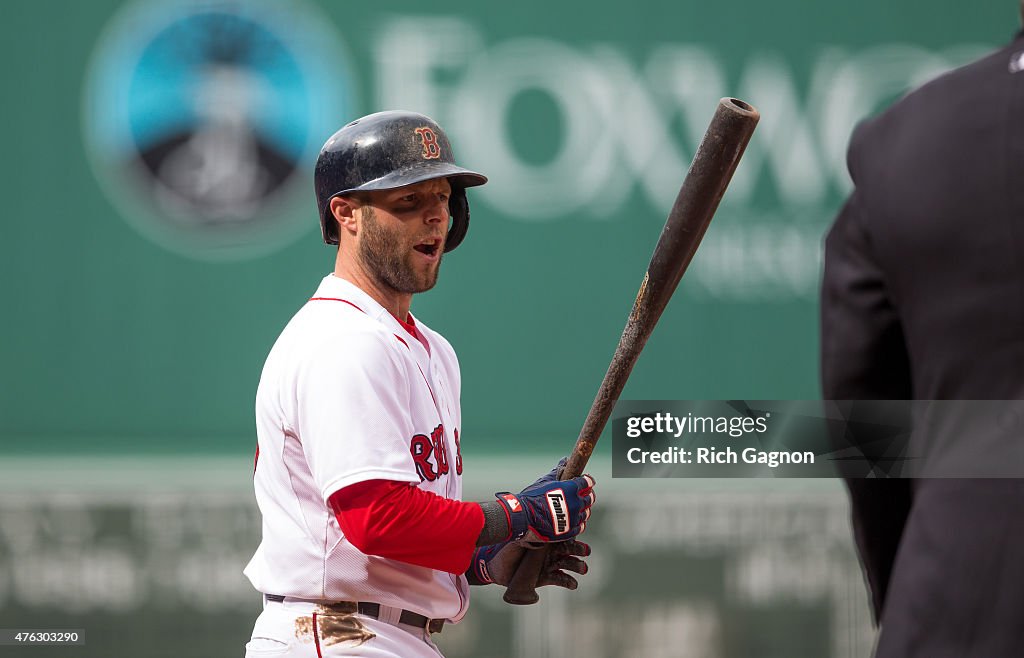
<point x="549" y="510"/>
<point x="497" y="563"/>
<point x="552" y="475"/>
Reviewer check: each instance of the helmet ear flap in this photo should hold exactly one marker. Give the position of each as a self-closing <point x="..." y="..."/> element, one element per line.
<point x="458" y="208"/>
<point x="329" y="225"/>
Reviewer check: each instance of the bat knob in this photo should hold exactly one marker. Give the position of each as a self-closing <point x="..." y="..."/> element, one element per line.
<point x="521" y="597"/>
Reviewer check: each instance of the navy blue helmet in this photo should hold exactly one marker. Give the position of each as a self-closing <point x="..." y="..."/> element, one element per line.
<point x="386" y="150"/>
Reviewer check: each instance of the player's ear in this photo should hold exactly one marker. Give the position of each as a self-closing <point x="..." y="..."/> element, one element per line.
<point x="343" y="209"/>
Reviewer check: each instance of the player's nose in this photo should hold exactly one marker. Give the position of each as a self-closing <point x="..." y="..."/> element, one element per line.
<point x="436" y="211"/>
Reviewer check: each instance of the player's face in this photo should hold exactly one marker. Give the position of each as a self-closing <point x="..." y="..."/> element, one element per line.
<point x="402" y="235"/>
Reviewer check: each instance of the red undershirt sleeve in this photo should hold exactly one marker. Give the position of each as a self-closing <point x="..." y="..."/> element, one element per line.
<point x="400" y="521"/>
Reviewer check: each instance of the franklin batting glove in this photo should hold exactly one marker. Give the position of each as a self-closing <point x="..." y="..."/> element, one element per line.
<point x="549" y="511"/>
<point x="552" y="475"/>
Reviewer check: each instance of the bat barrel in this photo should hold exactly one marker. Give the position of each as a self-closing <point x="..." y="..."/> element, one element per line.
<point x="710" y="172"/>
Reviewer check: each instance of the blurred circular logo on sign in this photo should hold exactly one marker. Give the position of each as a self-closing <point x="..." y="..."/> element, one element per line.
<point x="202" y="121"/>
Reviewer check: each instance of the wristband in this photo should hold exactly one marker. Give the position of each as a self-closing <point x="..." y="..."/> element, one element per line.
<point x="518" y="522"/>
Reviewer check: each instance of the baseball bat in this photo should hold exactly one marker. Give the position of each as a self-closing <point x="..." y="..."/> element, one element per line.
<point x="710" y="172"/>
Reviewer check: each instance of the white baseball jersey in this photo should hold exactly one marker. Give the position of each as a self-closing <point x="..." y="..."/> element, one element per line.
<point x="348" y="395"/>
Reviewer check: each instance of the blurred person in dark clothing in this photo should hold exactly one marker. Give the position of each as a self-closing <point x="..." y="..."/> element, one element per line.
<point x="923" y="298"/>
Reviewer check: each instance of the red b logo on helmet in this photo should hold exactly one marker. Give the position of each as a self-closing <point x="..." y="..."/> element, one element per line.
<point x="431" y="149"/>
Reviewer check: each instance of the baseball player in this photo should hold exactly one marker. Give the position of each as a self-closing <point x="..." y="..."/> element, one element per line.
<point x="367" y="547"/>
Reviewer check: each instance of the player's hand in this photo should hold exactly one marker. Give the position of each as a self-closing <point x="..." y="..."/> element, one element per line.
<point x="552" y="475"/>
<point x="496" y="564"/>
<point x="549" y="510"/>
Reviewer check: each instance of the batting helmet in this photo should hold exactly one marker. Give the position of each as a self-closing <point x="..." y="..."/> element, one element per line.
<point x="386" y="150"/>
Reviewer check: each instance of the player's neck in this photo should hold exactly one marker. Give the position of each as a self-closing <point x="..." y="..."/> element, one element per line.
<point x="396" y="303"/>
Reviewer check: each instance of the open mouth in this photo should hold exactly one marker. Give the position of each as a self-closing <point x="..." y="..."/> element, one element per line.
<point x="429" y="247"/>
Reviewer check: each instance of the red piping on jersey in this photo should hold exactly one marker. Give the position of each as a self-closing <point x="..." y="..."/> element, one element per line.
<point x="410" y="328"/>
<point x="345" y="301"/>
<point x="316" y="638"/>
<point x="336" y="299"/>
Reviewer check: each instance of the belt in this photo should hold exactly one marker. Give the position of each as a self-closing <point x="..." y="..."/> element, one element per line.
<point x="407" y="617"/>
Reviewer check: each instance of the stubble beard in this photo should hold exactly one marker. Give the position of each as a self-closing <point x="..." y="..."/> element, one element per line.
<point x="386" y="258"/>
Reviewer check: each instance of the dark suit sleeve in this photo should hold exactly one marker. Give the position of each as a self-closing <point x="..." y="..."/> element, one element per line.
<point x="864" y="357"/>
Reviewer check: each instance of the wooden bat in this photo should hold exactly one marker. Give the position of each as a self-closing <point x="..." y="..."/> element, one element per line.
<point x="710" y="172"/>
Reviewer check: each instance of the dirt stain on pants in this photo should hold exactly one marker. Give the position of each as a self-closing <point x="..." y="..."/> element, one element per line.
<point x="333" y="624"/>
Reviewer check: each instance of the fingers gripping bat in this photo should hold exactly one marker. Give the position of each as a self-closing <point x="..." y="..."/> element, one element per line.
<point x="710" y="172"/>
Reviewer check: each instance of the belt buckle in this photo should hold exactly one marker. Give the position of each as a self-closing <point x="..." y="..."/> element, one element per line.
<point x="435" y="625"/>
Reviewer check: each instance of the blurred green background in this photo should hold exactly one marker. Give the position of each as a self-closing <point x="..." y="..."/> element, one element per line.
<point x="160" y="229"/>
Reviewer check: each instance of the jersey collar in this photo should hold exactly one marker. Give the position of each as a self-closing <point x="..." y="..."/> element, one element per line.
<point x="338" y="288"/>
